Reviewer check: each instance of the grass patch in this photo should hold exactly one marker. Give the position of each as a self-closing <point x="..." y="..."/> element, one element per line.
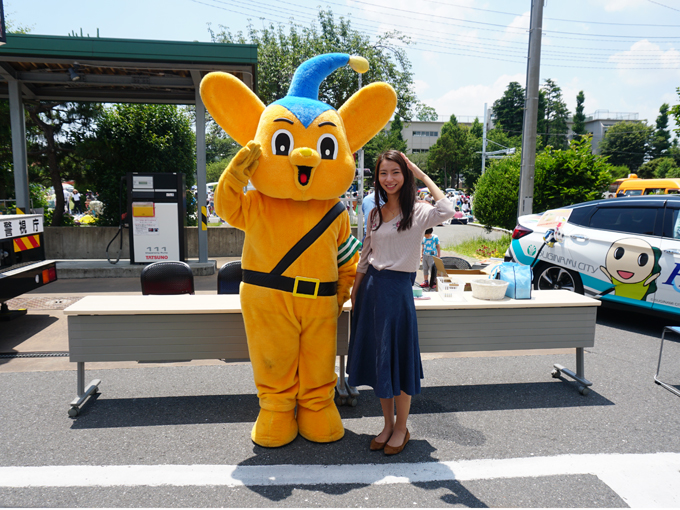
<point x="481" y="248"/>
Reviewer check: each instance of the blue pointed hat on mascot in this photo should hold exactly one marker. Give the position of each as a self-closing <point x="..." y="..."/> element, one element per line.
<point x="303" y="94"/>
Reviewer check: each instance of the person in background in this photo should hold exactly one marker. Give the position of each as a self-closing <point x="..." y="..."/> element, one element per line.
<point x="367" y="205"/>
<point x="76" y="201"/>
<point x="67" y="201"/>
<point x="383" y="347"/>
<point x="429" y="248"/>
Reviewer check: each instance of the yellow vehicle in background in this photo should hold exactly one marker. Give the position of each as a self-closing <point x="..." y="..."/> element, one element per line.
<point x="634" y="187"/>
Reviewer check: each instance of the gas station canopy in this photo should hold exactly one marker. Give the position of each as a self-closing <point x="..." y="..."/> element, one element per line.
<point x="117" y="70"/>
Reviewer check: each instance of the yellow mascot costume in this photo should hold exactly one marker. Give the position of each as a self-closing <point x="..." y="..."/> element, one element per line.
<point x="299" y="257"/>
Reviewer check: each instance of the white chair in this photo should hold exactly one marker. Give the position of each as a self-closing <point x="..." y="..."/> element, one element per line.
<point x="672" y="389"/>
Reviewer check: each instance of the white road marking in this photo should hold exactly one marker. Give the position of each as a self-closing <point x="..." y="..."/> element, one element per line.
<point x="641" y="480"/>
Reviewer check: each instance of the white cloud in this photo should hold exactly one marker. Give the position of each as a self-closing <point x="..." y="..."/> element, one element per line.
<point x="646" y="64"/>
<point x="469" y="100"/>
<point x="517" y="29"/>
<point x="622" y="5"/>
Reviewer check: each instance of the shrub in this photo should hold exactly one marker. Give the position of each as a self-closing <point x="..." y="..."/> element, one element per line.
<point x="562" y="177"/>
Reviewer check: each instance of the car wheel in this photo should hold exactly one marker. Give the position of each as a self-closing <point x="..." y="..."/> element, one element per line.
<point x="548" y="277"/>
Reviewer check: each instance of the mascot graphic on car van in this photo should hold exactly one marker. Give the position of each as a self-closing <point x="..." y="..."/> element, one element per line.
<point x="632" y="265"/>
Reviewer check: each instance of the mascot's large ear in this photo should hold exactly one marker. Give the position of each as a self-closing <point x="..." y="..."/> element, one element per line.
<point x="233" y="105"/>
<point x="367" y="112"/>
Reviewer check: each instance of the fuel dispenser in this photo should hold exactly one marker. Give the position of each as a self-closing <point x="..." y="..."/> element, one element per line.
<point x="156" y="213"/>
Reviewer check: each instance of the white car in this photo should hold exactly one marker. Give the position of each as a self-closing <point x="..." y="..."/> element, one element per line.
<point x="622" y="250"/>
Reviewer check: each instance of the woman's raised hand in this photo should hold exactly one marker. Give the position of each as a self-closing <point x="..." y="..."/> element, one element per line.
<point x="423" y="177"/>
<point x="417" y="172"/>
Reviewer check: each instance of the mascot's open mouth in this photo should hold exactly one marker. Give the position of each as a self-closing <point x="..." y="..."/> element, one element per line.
<point x="304" y="173"/>
<point x="625" y="274"/>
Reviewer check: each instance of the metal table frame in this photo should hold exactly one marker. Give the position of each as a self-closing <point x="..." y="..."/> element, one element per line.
<point x="672" y="329"/>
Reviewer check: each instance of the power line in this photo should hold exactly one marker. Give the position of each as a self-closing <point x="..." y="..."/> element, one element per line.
<point x="429" y="32"/>
<point x="561" y="19"/>
<point x="470" y="52"/>
<point x="511" y="28"/>
<point x="662" y="5"/>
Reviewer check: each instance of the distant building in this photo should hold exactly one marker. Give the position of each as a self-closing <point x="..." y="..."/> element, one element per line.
<point x="420" y="136"/>
<point x="598" y="124"/>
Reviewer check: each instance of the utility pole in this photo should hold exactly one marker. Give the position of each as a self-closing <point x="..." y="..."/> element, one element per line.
<point x="484" y="140"/>
<point x="360" y="188"/>
<point x="526" y="179"/>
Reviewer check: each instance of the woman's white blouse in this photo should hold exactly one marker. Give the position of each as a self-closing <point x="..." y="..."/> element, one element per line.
<point x="386" y="248"/>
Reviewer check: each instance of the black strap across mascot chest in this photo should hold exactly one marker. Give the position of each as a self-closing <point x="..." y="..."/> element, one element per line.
<point x="299" y="286"/>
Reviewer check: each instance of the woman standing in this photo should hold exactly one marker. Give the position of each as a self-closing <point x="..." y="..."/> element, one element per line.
<point x="383" y="350"/>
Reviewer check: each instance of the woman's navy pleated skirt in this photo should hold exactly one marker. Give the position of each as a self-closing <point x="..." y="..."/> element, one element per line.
<point x="383" y="347"/>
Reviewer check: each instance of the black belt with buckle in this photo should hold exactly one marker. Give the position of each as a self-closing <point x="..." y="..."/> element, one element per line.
<point x="299" y="286"/>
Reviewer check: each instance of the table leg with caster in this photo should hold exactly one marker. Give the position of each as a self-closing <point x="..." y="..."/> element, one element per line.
<point x="83" y="393"/>
<point x="579" y="376"/>
<point x="345" y="394"/>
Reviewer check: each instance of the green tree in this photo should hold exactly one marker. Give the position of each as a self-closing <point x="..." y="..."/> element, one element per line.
<point x="675" y="111"/>
<point x="619" y="172"/>
<point x="140" y="137"/>
<point x="556" y="114"/>
<point x="62" y="127"/>
<point x="579" y="127"/>
<point x="661" y="139"/>
<point x="495" y="197"/>
<point x="426" y="113"/>
<point x="215" y="169"/>
<point x="451" y="154"/>
<point x="387" y="139"/>
<point x="657" y="168"/>
<point x="420" y="160"/>
<point x="565" y="177"/>
<point x="509" y="109"/>
<point x="477" y="128"/>
<point x="674" y="151"/>
<point x="496" y="139"/>
<point x="218" y="145"/>
<point x="281" y="51"/>
<point x="6" y="163"/>
<point x="627" y="143"/>
<point x="562" y="177"/>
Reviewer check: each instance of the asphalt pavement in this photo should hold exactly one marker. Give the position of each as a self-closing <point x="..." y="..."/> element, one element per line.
<point x="488" y="430"/>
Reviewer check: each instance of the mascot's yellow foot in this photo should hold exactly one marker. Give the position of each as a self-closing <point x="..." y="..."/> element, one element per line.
<point x="323" y="426"/>
<point x="274" y="428"/>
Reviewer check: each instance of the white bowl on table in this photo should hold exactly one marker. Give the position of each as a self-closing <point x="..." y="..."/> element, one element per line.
<point x="491" y="290"/>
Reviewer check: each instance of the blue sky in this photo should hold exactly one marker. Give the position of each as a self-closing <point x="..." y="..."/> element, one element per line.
<point x="622" y="53"/>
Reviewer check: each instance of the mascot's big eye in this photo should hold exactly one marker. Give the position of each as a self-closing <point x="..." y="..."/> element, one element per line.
<point x="282" y="142"/>
<point x="619" y="253"/>
<point x="327" y="146"/>
<point x="642" y="259"/>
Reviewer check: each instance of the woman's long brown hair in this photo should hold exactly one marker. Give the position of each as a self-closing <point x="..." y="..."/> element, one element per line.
<point x="407" y="194"/>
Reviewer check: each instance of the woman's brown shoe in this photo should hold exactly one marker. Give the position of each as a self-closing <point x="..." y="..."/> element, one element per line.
<point x="375" y="445"/>
<point x="393" y="450"/>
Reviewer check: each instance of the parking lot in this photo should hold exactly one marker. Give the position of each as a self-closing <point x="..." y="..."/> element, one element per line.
<point x="488" y="430"/>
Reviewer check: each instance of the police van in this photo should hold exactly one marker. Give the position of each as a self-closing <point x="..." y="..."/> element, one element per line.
<point x="22" y="259"/>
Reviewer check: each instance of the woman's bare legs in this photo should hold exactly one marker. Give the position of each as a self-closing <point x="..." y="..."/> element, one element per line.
<point x="394" y="431"/>
<point x="387" y="405"/>
<point x="403" y="403"/>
